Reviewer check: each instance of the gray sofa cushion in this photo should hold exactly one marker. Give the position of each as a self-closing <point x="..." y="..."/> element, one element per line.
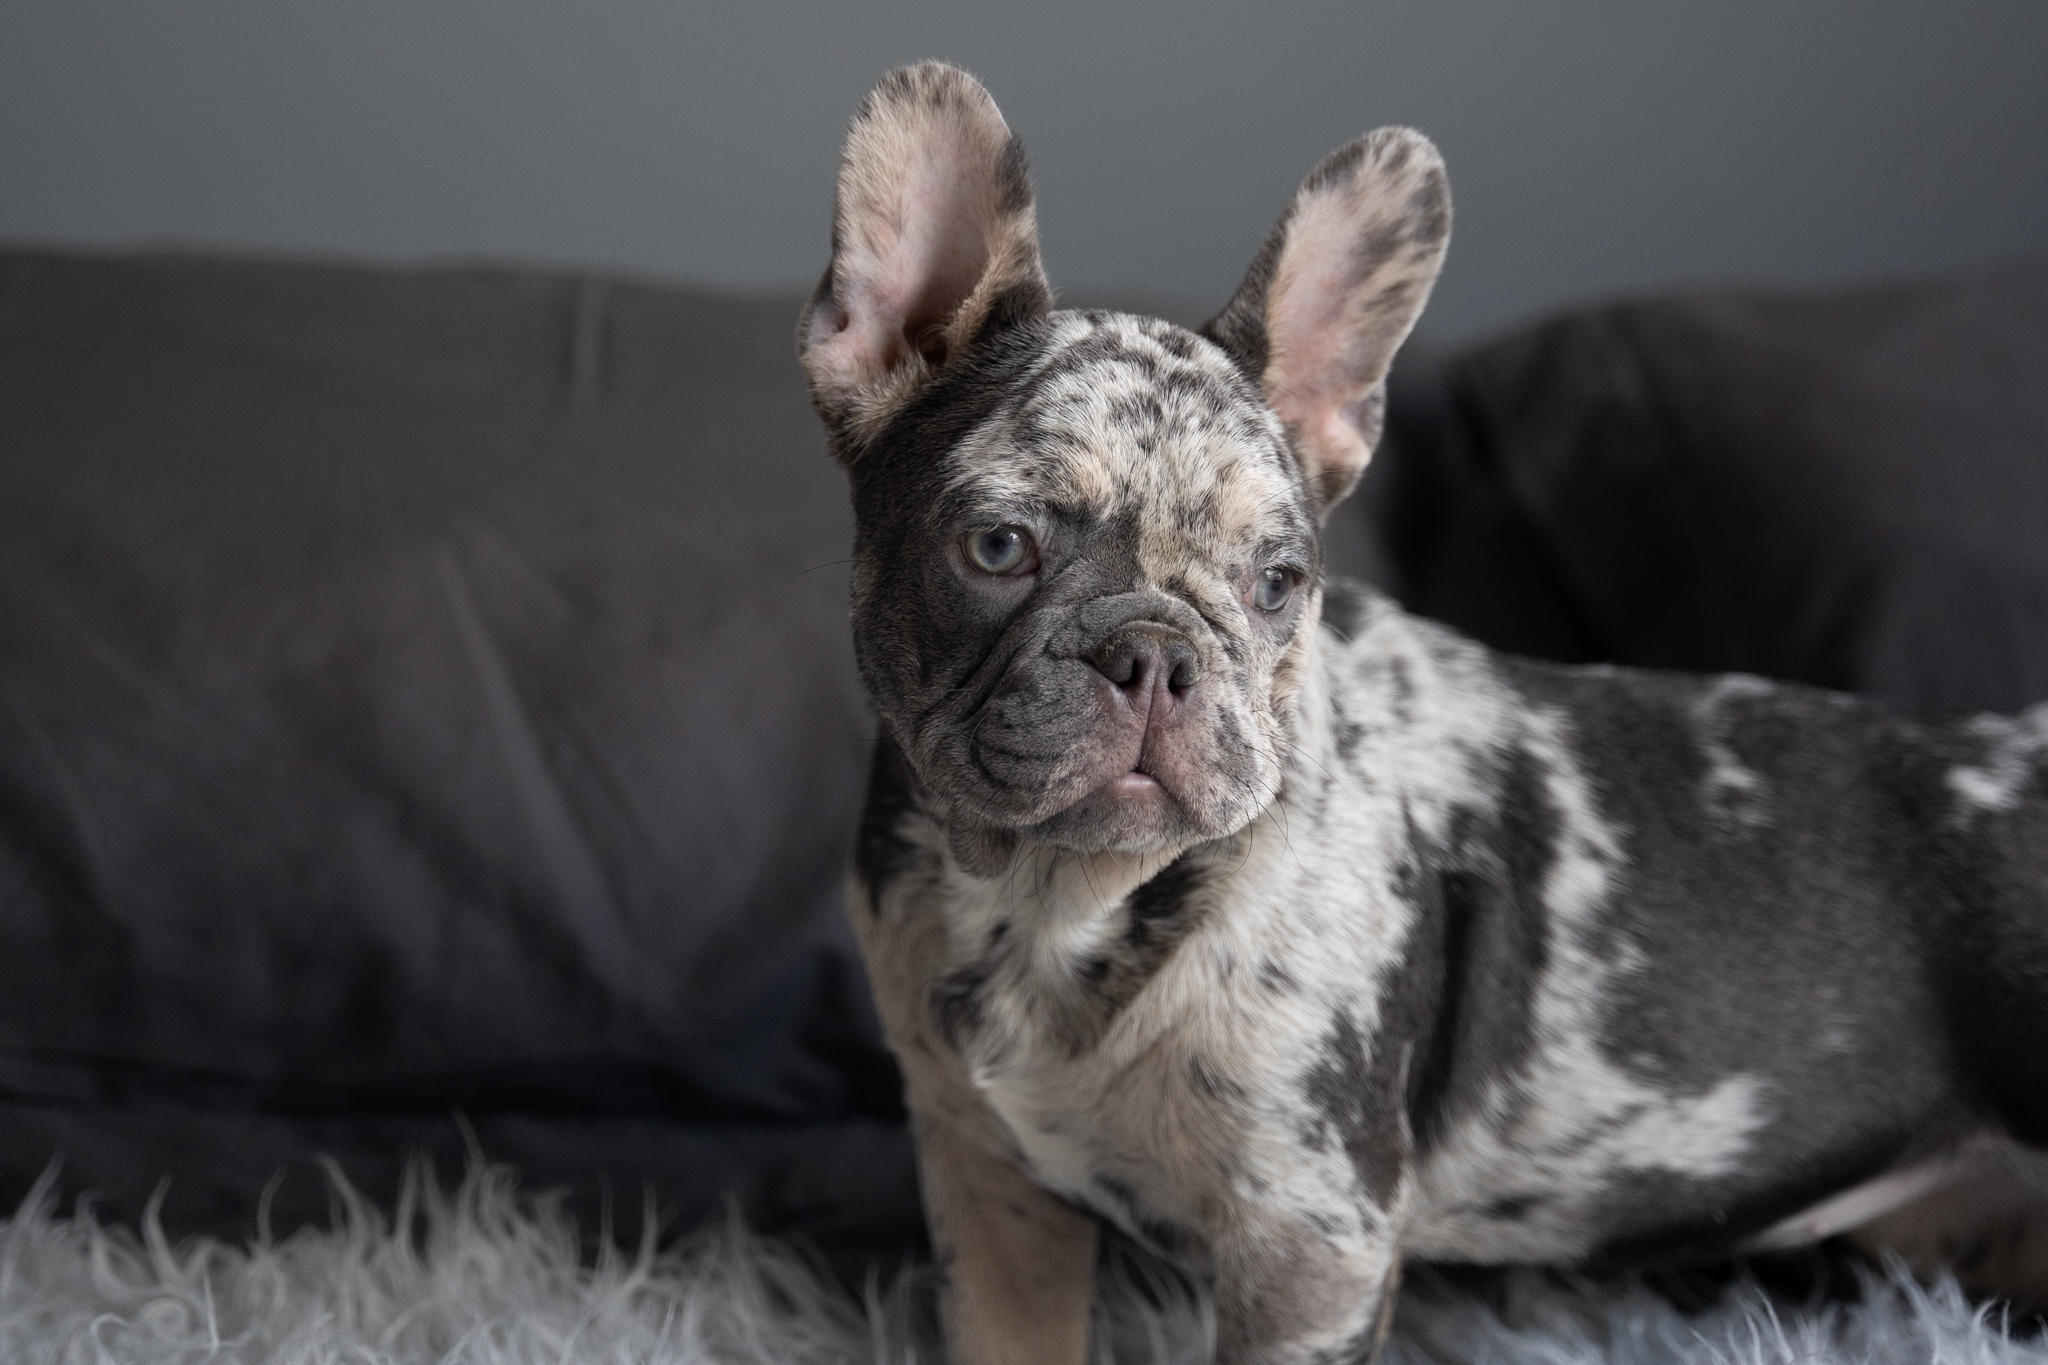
<point x="1848" y="488"/>
<point x="420" y="695"/>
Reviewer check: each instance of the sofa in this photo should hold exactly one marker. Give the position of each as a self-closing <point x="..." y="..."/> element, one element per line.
<point x="427" y="720"/>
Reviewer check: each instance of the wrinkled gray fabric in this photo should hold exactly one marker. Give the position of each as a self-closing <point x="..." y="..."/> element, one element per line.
<point x="1848" y="489"/>
<point x="424" y="694"/>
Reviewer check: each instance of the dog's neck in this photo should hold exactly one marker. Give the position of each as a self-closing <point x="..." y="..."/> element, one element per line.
<point x="1060" y="906"/>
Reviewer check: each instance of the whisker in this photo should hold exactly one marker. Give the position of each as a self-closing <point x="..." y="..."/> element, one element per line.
<point x="801" y="573"/>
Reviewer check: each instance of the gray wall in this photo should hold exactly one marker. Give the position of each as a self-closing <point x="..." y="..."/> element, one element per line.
<point x="1595" y="145"/>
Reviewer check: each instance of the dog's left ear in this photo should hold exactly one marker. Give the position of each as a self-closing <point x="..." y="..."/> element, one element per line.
<point x="934" y="243"/>
<point x="1333" y="292"/>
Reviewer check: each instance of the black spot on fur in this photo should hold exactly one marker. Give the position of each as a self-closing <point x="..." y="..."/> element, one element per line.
<point x="1347" y="732"/>
<point x="1016" y="304"/>
<point x="1402" y="681"/>
<point x="1119" y="1190"/>
<point x="1104" y="346"/>
<point x="1435" y="971"/>
<point x="1358" y="1102"/>
<point x="957" y="1003"/>
<point x="1015" y="178"/>
<point x="1322" y="1222"/>
<point x="1158" y="916"/>
<point x="1199" y="390"/>
<point x="1161" y="901"/>
<point x="1375" y="249"/>
<point x="1393" y="681"/>
<point x="1512" y="1208"/>
<point x="1275" y="979"/>
<point x="1429" y="210"/>
<point x="1139" y="411"/>
<point x="1212" y="1084"/>
<point x="1465" y="992"/>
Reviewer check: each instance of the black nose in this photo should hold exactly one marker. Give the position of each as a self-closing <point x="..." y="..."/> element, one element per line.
<point x="1139" y="658"/>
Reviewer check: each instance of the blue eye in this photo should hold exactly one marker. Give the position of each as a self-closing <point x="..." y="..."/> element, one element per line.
<point x="1274" y="587"/>
<point x="1001" y="550"/>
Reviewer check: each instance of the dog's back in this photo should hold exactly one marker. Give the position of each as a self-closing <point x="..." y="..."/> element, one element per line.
<point x="1805" y="930"/>
<point x="1824" y="845"/>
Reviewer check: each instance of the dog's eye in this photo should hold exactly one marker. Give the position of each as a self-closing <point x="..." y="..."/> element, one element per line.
<point x="1274" y="587"/>
<point x="1001" y="550"/>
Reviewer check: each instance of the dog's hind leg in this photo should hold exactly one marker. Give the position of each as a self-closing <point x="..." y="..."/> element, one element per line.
<point x="1987" y="1224"/>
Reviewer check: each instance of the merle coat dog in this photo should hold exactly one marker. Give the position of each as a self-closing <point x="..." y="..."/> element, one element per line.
<point x="1294" y="935"/>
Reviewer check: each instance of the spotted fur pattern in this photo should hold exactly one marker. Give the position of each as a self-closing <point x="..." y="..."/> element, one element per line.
<point x="1292" y="935"/>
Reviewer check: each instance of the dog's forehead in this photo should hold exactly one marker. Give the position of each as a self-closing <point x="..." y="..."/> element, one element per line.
<point x="1120" y="412"/>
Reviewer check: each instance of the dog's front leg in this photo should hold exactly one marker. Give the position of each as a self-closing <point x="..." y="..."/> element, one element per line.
<point x="1019" y="1264"/>
<point x="1293" y="1295"/>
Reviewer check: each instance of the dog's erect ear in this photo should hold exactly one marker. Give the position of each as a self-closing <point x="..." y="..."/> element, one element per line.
<point x="934" y="241"/>
<point x="1333" y="293"/>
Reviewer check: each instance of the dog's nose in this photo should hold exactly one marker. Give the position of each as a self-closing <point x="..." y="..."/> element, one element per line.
<point x="1142" y="659"/>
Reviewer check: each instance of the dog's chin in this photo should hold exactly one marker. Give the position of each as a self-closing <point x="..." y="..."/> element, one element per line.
<point x="1130" y="813"/>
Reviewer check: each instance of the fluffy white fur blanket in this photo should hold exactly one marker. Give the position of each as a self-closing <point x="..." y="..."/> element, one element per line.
<point x="484" y="1276"/>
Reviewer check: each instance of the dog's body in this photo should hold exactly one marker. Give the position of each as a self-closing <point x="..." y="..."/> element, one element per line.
<point x="1291" y="934"/>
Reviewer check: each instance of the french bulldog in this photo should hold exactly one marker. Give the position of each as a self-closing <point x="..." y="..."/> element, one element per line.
<point x="1293" y="935"/>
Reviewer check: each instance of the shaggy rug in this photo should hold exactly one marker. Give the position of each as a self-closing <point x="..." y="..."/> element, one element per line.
<point x="481" y="1275"/>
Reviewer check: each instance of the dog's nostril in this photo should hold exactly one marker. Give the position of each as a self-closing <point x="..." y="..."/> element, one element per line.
<point x="1133" y="660"/>
<point x="1125" y="660"/>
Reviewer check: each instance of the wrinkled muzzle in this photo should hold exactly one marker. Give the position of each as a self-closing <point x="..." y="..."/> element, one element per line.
<point x="1120" y="722"/>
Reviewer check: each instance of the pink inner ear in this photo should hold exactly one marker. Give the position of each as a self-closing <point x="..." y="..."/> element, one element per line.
<point x="1315" y="374"/>
<point x="914" y="255"/>
<point x="955" y="256"/>
<point x="1350" y="280"/>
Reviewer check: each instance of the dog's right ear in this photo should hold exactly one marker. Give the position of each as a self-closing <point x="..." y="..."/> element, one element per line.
<point x="934" y="243"/>
<point x="1332" y="294"/>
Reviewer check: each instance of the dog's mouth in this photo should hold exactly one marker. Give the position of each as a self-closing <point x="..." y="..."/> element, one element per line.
<point x="1137" y="804"/>
<point x="1152" y="796"/>
<point x="1137" y="784"/>
<point x="1135" y="811"/>
<point x="1140" y="796"/>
